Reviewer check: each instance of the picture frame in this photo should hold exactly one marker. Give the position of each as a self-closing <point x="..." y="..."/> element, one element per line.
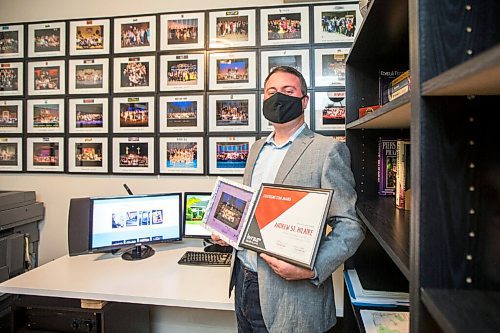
<point x="11" y="116"/>
<point x="182" y="155"/>
<point x="45" y="154"/>
<point x="228" y="155"/>
<point x="182" y="31"/>
<point x="45" y="115"/>
<point x="89" y="37"/>
<point x="232" y="70"/>
<point x="296" y="58"/>
<point x="185" y="113"/>
<point x="12" y="84"/>
<point x="232" y="28"/>
<point x="134" y="114"/>
<point x="330" y="70"/>
<point x="336" y="23"/>
<point x="232" y="113"/>
<point x="284" y="26"/>
<point x="88" y="76"/>
<point x="135" y="34"/>
<point x="228" y="210"/>
<point x="134" y="155"/>
<point x="88" y="155"/>
<point x="181" y="72"/>
<point x="11" y="153"/>
<point x="46" y="78"/>
<point x="88" y="115"/>
<point x="12" y="41"/>
<point x="287" y="222"/>
<point x="329" y="110"/>
<point x="266" y="126"/>
<point x="134" y="74"/>
<point x="47" y="39"/>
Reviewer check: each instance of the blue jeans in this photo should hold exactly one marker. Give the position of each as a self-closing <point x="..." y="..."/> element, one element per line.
<point x="247" y="303"/>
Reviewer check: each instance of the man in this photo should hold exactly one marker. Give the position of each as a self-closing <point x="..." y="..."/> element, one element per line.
<point x="272" y="295"/>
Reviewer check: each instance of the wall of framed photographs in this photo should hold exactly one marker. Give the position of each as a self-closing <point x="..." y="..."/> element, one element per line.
<point x="176" y="93"/>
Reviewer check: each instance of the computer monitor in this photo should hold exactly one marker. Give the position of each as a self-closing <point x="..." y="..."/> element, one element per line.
<point x="195" y="204"/>
<point x="134" y="222"/>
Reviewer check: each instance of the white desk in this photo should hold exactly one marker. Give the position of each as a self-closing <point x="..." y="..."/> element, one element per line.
<point x="186" y="298"/>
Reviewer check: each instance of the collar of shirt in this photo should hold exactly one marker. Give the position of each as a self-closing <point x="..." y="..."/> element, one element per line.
<point x="270" y="137"/>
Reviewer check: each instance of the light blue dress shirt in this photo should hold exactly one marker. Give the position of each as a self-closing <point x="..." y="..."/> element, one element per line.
<point x="266" y="167"/>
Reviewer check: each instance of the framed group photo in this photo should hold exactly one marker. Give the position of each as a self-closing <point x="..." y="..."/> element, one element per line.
<point x="45" y="115"/>
<point x="228" y="155"/>
<point x="329" y="110"/>
<point x="296" y="58"/>
<point x="330" y="67"/>
<point x="11" y="116"/>
<point x="88" y="115"/>
<point x="182" y="155"/>
<point x="266" y="126"/>
<point x="134" y="74"/>
<point x="45" y="154"/>
<point x="182" y="72"/>
<point x="184" y="31"/>
<point x="135" y="34"/>
<point x="11" y="154"/>
<point x="232" y="70"/>
<point x="11" y="82"/>
<point x="181" y="114"/>
<point x="87" y="155"/>
<point x="47" y="39"/>
<point x="88" y="76"/>
<point x="89" y="37"/>
<point x="232" y="113"/>
<point x="133" y="155"/>
<point x="336" y="23"/>
<point x="46" y="78"/>
<point x="232" y="28"/>
<point x="284" y="26"/>
<point x="11" y="41"/>
<point x="134" y="114"/>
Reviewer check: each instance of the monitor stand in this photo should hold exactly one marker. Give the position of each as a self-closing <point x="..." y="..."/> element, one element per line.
<point x="138" y="252"/>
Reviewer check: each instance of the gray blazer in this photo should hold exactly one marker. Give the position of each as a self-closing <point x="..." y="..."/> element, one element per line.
<point x="308" y="306"/>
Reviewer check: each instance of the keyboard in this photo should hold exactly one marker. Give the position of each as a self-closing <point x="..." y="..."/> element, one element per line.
<point x="205" y="258"/>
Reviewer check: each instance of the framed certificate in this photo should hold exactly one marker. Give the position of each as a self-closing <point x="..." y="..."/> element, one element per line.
<point x="228" y="210"/>
<point x="287" y="222"/>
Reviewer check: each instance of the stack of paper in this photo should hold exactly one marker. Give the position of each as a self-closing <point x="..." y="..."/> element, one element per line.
<point x="385" y="321"/>
<point x="363" y="297"/>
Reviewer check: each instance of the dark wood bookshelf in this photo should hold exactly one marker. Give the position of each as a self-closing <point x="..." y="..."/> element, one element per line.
<point x="477" y="76"/>
<point x="395" y="114"/>
<point x="464" y="311"/>
<point x="390" y="226"/>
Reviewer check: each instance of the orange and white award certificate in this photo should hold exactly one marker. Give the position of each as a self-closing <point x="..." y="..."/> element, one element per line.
<point x="287" y="222"/>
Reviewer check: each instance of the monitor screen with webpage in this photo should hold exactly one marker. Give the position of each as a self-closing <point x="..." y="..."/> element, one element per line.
<point x="135" y="222"/>
<point x="195" y="204"/>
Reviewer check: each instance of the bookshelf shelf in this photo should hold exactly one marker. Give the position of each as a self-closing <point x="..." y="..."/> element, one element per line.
<point x="395" y="114"/>
<point x="463" y="310"/>
<point x="391" y="228"/>
<point x="477" y="76"/>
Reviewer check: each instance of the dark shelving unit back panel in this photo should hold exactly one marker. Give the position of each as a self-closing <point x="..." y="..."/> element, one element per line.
<point x="459" y="193"/>
<point x="452" y="31"/>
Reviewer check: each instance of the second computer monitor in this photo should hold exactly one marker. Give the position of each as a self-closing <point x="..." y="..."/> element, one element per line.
<point x="195" y="204"/>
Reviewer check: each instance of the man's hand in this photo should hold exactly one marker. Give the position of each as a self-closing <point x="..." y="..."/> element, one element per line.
<point x="285" y="270"/>
<point x="217" y="240"/>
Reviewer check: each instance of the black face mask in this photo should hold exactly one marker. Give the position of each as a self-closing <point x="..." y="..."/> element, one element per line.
<point x="281" y="108"/>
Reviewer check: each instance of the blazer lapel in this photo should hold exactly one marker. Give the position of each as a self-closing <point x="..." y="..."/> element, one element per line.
<point x="297" y="148"/>
<point x="252" y="158"/>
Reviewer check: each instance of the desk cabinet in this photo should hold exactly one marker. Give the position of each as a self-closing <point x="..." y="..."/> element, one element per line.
<point x="52" y="314"/>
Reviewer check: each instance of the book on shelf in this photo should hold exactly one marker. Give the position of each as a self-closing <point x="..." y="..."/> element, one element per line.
<point x="399" y="86"/>
<point x="377" y="321"/>
<point x="367" y="110"/>
<point x="375" y="298"/>
<point x="403" y="190"/>
<point x="386" y="166"/>
<point x="385" y="78"/>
